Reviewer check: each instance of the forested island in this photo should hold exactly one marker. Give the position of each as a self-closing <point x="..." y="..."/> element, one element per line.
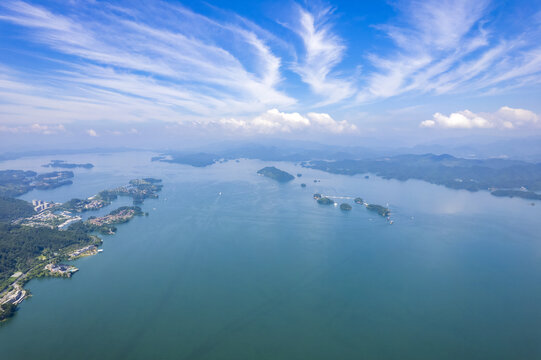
<point x="194" y="159"/>
<point x="345" y="207"/>
<point x="17" y="182"/>
<point x="66" y="165"/>
<point x="501" y="177"/>
<point x="276" y="174"/>
<point x="325" y="200"/>
<point x="381" y="210"/>
<point x="34" y="243"/>
<point x="517" y="193"/>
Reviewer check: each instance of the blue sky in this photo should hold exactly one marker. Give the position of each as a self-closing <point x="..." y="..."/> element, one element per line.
<point x="348" y="70"/>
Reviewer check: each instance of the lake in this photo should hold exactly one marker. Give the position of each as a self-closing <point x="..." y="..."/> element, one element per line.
<point x="232" y="265"/>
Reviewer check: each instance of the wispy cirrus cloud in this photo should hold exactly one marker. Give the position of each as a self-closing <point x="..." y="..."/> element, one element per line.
<point x="449" y="46"/>
<point x="323" y="51"/>
<point x="161" y="61"/>
<point x="133" y="57"/>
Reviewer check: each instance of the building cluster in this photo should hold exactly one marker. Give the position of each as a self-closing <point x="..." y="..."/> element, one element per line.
<point x="60" y="269"/>
<point x="113" y="219"/>
<point x="94" y="205"/>
<point x="49" y="219"/>
<point x="83" y="251"/>
<point x="40" y="205"/>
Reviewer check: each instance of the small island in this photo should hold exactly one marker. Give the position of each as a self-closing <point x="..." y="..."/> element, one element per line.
<point x="192" y="159"/>
<point x="303" y="185"/>
<point x="358" y="200"/>
<point x="345" y="207"/>
<point x="66" y="165"/>
<point x="524" y="194"/>
<point x="325" y="201"/>
<point x="276" y="174"/>
<point x="381" y="210"/>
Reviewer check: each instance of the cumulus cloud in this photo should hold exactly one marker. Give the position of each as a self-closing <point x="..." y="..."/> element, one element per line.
<point x="274" y="121"/>
<point x="504" y="118"/>
<point x="92" y="132"/>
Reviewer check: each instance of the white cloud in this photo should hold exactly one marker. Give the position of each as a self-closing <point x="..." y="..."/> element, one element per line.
<point x="504" y="118"/>
<point x="92" y="132"/>
<point x="324" y="50"/>
<point x="183" y="66"/>
<point x="34" y="128"/>
<point x="517" y="117"/>
<point x="447" y="47"/>
<point x="273" y="121"/>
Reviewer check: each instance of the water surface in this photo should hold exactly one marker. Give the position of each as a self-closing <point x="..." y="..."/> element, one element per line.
<point x="263" y="272"/>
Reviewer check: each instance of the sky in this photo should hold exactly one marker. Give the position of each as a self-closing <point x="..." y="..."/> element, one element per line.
<point x="168" y="73"/>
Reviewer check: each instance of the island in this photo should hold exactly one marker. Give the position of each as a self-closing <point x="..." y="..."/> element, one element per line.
<point x="381" y="210"/>
<point x="66" y="165"/>
<point x="345" y="207"/>
<point x="18" y="182"/>
<point x="303" y="185"/>
<point x="192" y="159"/>
<point x="325" y="201"/>
<point x="502" y="177"/>
<point x="276" y="174"/>
<point x="523" y="193"/>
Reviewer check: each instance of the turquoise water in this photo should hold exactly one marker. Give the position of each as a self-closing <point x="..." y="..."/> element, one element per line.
<point x="263" y="272"/>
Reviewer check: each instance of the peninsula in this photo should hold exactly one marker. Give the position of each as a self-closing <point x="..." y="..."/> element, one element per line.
<point x="35" y="239"/>
<point x="106" y="224"/>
